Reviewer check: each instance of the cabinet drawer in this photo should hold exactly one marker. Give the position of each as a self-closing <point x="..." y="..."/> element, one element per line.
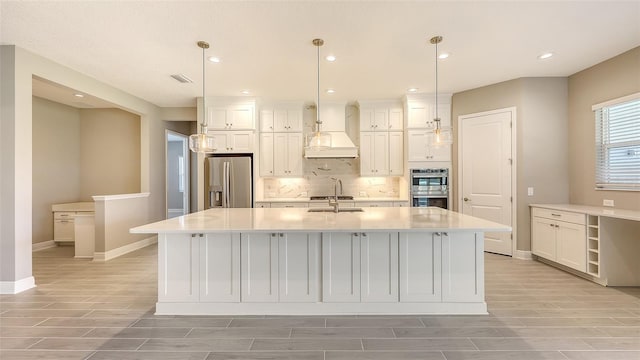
<point x="567" y="216"/>
<point x="62" y="215"/>
<point x="289" y="205"/>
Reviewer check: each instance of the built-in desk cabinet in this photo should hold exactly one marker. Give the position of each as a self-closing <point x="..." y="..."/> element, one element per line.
<point x="560" y="236"/>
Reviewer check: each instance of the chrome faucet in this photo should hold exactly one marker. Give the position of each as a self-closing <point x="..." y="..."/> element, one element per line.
<point x="334" y="202"/>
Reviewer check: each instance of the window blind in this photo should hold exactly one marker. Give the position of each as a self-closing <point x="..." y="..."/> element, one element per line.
<point x="618" y="145"/>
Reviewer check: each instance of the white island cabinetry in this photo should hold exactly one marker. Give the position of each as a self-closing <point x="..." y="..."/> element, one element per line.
<point x="392" y="260"/>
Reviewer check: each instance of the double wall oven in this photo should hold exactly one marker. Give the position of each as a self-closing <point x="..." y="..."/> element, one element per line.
<point x="430" y="187"/>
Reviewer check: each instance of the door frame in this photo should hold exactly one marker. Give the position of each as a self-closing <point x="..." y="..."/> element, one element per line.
<point x="514" y="167"/>
<point x="187" y="188"/>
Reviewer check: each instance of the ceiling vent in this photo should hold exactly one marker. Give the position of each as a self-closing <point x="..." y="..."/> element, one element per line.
<point x="182" y="78"/>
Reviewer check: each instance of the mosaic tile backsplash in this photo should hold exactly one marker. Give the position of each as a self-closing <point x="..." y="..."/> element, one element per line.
<point x="319" y="175"/>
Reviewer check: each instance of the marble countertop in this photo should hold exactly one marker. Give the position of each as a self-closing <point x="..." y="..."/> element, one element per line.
<point x="301" y="220"/>
<point x="593" y="210"/>
<point x="76" y="206"/>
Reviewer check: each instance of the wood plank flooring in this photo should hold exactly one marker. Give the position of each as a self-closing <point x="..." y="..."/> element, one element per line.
<point x="87" y="310"/>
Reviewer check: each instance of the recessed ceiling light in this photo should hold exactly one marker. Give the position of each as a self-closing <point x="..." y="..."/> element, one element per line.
<point x="214" y="59"/>
<point x="412" y="89"/>
<point x="443" y="56"/>
<point x="78" y="95"/>
<point x="245" y="92"/>
<point x="545" y="56"/>
<point x="330" y="91"/>
<point x="331" y="58"/>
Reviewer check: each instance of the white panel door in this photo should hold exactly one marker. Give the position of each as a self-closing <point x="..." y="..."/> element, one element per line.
<point x="571" y="245"/>
<point x="340" y="267"/>
<point x="485" y="145"/>
<point x="220" y="268"/>
<point x="396" y="153"/>
<point x="462" y="267"/>
<point x="420" y="268"/>
<point x="178" y="274"/>
<point x="266" y="154"/>
<point x="379" y="271"/>
<point x="299" y="272"/>
<point x="259" y="267"/>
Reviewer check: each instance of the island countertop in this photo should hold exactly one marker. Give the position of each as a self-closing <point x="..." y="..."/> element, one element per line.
<point x="301" y="220"/>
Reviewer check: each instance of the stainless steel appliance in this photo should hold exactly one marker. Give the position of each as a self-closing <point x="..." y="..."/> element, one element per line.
<point x="228" y="181"/>
<point x="430" y="187"/>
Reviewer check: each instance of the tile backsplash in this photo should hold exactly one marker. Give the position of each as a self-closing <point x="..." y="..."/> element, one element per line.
<point x="318" y="179"/>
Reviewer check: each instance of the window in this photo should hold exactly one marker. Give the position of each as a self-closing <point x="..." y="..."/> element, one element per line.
<point x="618" y="144"/>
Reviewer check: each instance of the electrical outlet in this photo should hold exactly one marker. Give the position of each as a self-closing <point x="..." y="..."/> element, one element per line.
<point x="303" y="194"/>
<point x="606" y="202"/>
<point x="363" y="193"/>
<point x="530" y="191"/>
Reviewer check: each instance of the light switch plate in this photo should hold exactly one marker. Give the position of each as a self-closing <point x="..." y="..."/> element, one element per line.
<point x="363" y="193"/>
<point x="606" y="202"/>
<point x="530" y="191"/>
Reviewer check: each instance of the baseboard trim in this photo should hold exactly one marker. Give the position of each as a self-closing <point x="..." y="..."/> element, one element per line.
<point x="114" y="253"/>
<point x="43" y="245"/>
<point x="523" y="255"/>
<point x="14" y="287"/>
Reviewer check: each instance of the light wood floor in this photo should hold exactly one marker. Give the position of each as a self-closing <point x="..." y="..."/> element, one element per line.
<point x="87" y="310"/>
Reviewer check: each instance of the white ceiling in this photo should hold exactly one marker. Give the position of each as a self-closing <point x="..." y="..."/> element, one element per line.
<point x="382" y="47"/>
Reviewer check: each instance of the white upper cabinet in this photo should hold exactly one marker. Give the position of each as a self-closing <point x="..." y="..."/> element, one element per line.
<point x="396" y="153"/>
<point x="421" y="147"/>
<point x="232" y="141"/>
<point x="229" y="113"/>
<point x="396" y="118"/>
<point x="282" y="117"/>
<point x="266" y="154"/>
<point x="380" y="115"/>
<point x="421" y="110"/>
<point x="287" y="154"/>
<point x="374" y="153"/>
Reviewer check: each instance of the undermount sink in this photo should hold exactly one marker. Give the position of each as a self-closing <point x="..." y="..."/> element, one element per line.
<point x="339" y="210"/>
<point x="327" y="197"/>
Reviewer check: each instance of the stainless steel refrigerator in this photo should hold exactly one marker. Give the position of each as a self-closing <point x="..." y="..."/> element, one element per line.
<point x="228" y="182"/>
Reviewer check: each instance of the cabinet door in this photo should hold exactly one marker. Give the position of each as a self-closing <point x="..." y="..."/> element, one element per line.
<point x="241" y="142"/>
<point x="381" y="119"/>
<point x="379" y="272"/>
<point x="396" y="120"/>
<point x="417" y="148"/>
<point x="299" y="267"/>
<point x="240" y="117"/>
<point x="444" y="112"/>
<point x="280" y="122"/>
<point x="216" y="118"/>
<point x="439" y="152"/>
<point x="418" y="115"/>
<point x="294" y="154"/>
<point x="220" y="268"/>
<point x="571" y="245"/>
<point x="178" y="274"/>
<point x="381" y="153"/>
<point x="294" y="119"/>
<point x="280" y="155"/>
<point x="543" y="238"/>
<point x="63" y="230"/>
<point x="266" y="154"/>
<point x="463" y="261"/>
<point x="420" y="271"/>
<point x="266" y="120"/>
<point x="220" y="141"/>
<point x="366" y="153"/>
<point x="259" y="267"/>
<point x="340" y="267"/>
<point x="367" y="121"/>
<point x="396" y="153"/>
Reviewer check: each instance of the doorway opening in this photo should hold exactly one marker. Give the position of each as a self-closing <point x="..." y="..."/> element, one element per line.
<point x="177" y="174"/>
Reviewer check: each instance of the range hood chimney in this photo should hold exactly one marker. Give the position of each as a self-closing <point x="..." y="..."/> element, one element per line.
<point x="334" y="123"/>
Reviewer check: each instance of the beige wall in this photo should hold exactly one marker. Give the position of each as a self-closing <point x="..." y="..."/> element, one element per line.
<point x="541" y="140"/>
<point x="608" y="80"/>
<point x="110" y="152"/>
<point x="56" y="162"/>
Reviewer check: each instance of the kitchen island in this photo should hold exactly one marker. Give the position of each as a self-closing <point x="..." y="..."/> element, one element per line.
<point x="396" y="260"/>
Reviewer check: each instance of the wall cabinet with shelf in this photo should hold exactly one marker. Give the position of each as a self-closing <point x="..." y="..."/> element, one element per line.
<point x="231" y="115"/>
<point x="233" y="141"/>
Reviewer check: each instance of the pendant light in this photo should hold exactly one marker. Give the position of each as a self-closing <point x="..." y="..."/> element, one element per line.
<point x="202" y="142"/>
<point x="440" y="138"/>
<point x="318" y="140"/>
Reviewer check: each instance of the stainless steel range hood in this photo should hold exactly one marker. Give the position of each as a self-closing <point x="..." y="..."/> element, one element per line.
<point x="334" y="122"/>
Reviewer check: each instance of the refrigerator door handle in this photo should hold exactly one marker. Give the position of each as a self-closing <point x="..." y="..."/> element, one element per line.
<point x="227" y="183"/>
<point x="224" y="184"/>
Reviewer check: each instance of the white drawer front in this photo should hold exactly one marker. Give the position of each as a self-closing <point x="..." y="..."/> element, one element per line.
<point x="62" y="215"/>
<point x="567" y="216"/>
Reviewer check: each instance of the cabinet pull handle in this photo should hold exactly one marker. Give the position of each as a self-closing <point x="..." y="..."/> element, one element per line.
<point x="551" y="225"/>
<point x="552" y="214"/>
<point x="355" y="234"/>
<point x="364" y="234"/>
<point x="281" y="234"/>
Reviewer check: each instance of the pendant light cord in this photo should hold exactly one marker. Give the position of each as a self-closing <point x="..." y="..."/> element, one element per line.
<point x="204" y="108"/>
<point x="318" y="122"/>
<point x="437" y="83"/>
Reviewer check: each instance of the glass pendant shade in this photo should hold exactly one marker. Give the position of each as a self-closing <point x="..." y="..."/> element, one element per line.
<point x="201" y="143"/>
<point x="319" y="140"/>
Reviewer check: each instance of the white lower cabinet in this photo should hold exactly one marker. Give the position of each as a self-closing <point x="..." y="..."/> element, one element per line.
<point x="259" y="267"/>
<point x="462" y="267"/>
<point x="420" y="268"/>
<point x="341" y="267"/>
<point x="379" y="267"/>
<point x="299" y="269"/>
<point x="178" y="268"/>
<point x="220" y="277"/>
<point x="560" y="236"/>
